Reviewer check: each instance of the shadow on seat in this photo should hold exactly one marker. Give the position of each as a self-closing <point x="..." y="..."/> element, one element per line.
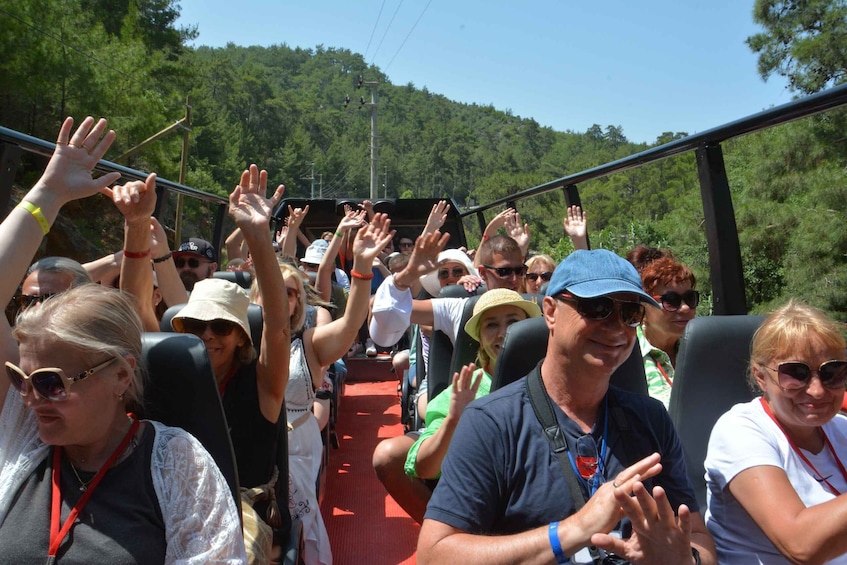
<point x="525" y="345"/>
<point x="254" y="317"/>
<point x="242" y="278"/>
<point x="710" y="377"/>
<point x="181" y="392"/>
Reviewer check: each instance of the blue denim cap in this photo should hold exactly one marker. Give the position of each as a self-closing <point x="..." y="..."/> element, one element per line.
<point x="598" y="272"/>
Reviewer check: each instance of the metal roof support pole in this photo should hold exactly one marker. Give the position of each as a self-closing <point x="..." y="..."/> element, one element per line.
<point x="721" y="233"/>
<point x="480" y="219"/>
<point x="10" y="158"/>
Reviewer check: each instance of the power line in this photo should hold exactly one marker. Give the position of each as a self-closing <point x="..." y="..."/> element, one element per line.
<point x="407" y="35"/>
<point x="386" y="31"/>
<point x="61" y="41"/>
<point x="368" y="48"/>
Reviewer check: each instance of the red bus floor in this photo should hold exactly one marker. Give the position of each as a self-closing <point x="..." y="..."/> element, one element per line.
<point x="365" y="525"/>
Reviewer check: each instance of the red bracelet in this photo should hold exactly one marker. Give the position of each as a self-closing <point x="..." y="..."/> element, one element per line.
<point x="485" y="236"/>
<point x="360" y="276"/>
<point x="136" y="254"/>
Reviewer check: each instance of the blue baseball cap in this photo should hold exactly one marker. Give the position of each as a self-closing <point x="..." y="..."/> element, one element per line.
<point x="598" y="272"/>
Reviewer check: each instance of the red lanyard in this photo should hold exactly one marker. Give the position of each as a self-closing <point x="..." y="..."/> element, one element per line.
<point x="57" y="535"/>
<point x="802" y="456"/>
<point x="662" y="370"/>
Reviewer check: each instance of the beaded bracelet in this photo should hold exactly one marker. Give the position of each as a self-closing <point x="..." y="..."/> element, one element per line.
<point x="36" y="213"/>
<point x="163" y="258"/>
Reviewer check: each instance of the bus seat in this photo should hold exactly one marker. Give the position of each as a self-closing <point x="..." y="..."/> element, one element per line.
<point x="254" y="317"/>
<point x="710" y="377"/>
<point x="525" y="345"/>
<point x="181" y="392"/>
<point x="242" y="278"/>
<point x="440" y="346"/>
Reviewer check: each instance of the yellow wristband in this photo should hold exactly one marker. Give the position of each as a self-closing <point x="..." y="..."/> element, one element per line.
<point x="37" y="214"/>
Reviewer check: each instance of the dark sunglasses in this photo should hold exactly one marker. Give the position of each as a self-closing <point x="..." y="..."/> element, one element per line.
<point x="27" y="300"/>
<point x="193" y="262"/>
<point x="198" y="327"/>
<point x="51" y="383"/>
<point x="795" y="375"/>
<point x="672" y="301"/>
<point x="505" y="272"/>
<point x="545" y="276"/>
<point x="457" y="272"/>
<point x="601" y="307"/>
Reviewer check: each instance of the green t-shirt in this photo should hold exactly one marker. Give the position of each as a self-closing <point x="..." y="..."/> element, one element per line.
<point x="436" y="412"/>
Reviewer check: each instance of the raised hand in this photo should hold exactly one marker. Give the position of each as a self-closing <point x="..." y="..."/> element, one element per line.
<point x="499" y="221"/>
<point x="575" y="223"/>
<point x="369" y="208"/>
<point x="248" y="205"/>
<point x="135" y="200"/>
<point x="370" y="240"/>
<point x="658" y="535"/>
<point x="159" y="246"/>
<point x="296" y="217"/>
<point x="465" y="388"/>
<point x="68" y="174"/>
<point x="352" y="219"/>
<point x="437" y="217"/>
<point x="518" y="232"/>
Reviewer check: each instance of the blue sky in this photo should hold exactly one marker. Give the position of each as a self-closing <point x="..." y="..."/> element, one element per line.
<point x="650" y="67"/>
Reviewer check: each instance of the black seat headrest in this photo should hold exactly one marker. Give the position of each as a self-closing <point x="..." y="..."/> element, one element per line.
<point x="242" y="278"/>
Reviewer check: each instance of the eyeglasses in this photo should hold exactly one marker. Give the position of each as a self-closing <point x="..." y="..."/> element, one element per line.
<point x="51" y="383"/>
<point x="193" y="262"/>
<point x="672" y="301"/>
<point x="198" y="327"/>
<point x="601" y="307"/>
<point x="545" y="276"/>
<point x="505" y="272"/>
<point x="795" y="375"/>
<point x="27" y="300"/>
<point x="457" y="272"/>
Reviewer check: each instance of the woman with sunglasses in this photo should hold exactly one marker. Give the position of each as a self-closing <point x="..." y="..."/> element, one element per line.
<point x="539" y="269"/>
<point x="775" y="466"/>
<point x="111" y="488"/>
<point x="671" y="284"/>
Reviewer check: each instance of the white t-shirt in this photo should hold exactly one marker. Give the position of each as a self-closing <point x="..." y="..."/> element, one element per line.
<point x="746" y="437"/>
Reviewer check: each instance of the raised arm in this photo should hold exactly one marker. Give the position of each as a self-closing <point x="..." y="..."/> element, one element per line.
<point x="66" y="178"/>
<point x="497" y="222"/>
<point x="170" y="285"/>
<point x="105" y="269"/>
<point x="519" y="232"/>
<point x="236" y="247"/>
<point x="295" y="218"/>
<point x="576" y="226"/>
<point x="437" y="217"/>
<point x="252" y="211"/>
<point x="323" y="282"/>
<point x="330" y="342"/>
<point x="136" y="201"/>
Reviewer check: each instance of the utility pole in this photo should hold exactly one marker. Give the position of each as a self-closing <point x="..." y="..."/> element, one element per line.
<point x="311" y="177"/>
<point x="374" y="148"/>
<point x="321" y="185"/>
<point x="385" y="181"/>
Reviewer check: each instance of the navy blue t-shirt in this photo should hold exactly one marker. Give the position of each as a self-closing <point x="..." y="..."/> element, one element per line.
<point x="501" y="476"/>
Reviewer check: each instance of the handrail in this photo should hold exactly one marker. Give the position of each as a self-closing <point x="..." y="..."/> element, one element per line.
<point x="796" y="109"/>
<point x="46" y="148"/>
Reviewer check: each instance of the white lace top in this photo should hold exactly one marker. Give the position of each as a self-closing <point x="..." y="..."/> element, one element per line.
<point x="201" y="520"/>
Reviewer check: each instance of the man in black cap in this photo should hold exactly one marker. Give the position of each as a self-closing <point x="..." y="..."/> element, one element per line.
<point x="196" y="259"/>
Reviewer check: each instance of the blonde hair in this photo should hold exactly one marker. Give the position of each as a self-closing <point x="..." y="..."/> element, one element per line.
<point x="95" y="320"/>
<point x="794" y="325"/>
<point x="530" y="263"/>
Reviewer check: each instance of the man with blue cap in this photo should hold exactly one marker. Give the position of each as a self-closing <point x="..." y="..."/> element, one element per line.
<point x="544" y="470"/>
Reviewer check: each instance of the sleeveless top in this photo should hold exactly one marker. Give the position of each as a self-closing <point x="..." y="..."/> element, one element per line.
<point x="300" y="393"/>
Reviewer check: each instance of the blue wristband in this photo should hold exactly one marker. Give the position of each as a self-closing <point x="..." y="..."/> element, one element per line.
<point x="555" y="544"/>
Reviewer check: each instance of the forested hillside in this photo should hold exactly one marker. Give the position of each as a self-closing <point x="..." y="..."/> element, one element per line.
<point x="283" y="108"/>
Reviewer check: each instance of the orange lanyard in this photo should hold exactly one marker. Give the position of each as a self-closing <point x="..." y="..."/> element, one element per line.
<point x="661" y="369"/>
<point x="56" y="534"/>
<point x="802" y="456"/>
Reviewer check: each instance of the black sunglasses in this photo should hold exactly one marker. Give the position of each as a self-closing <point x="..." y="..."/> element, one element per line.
<point x="505" y="272"/>
<point x="794" y="375"/>
<point x="601" y="307"/>
<point x="672" y="301"/>
<point x="198" y="327"/>
<point x="27" y="300"/>
<point x="193" y="262"/>
<point x="51" y="383"/>
<point x="457" y="272"/>
<point x="545" y="276"/>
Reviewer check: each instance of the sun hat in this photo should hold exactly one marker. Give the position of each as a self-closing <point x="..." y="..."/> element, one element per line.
<point x="216" y="299"/>
<point x="315" y="252"/>
<point x="430" y="280"/>
<point x="598" y="272"/>
<point x="199" y="247"/>
<point x="494" y="298"/>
